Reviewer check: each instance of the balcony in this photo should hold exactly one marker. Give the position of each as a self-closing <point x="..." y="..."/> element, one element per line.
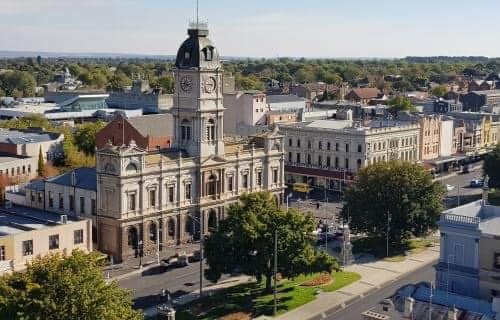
<point x="459" y="220"/>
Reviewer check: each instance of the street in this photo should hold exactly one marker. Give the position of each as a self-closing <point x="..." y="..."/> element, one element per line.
<point x="353" y="311"/>
<point x="147" y="286"/>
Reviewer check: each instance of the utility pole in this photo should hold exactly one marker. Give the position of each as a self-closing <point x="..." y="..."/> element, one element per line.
<point x="275" y="267"/>
<point x="388" y="228"/>
<point x="201" y="254"/>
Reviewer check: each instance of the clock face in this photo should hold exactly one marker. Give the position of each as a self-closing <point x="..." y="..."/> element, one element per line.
<point x="210" y="85"/>
<point x="186" y="83"/>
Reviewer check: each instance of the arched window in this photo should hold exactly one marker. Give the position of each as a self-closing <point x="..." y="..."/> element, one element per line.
<point x="185" y="130"/>
<point x="131" y="168"/>
<point x="171" y="228"/>
<point x="208" y="53"/>
<point x="211" y="130"/>
<point x="359" y="148"/>
<point x="359" y="163"/>
<point x="152" y="232"/>
<point x="328" y="145"/>
<point x="132" y="237"/>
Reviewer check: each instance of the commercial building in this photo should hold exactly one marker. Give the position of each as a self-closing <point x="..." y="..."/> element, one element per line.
<point x="30" y="142"/>
<point x="174" y="196"/>
<point x="17" y="168"/>
<point x="480" y="132"/>
<point x="26" y="233"/>
<point x="445" y="106"/>
<point x="141" y="96"/>
<point x="287" y="103"/>
<point x="363" y="96"/>
<point x="150" y="132"/>
<point x="244" y="110"/>
<point x="469" y="262"/>
<point x="474" y="100"/>
<point x="327" y="153"/>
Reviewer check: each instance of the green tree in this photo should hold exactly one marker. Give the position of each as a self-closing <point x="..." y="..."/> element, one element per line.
<point x="21" y="82"/>
<point x="84" y="136"/>
<point x="400" y="103"/>
<point x="167" y="83"/>
<point x="41" y="163"/>
<point x="439" y="91"/>
<point x="36" y="121"/>
<point x="245" y="241"/>
<point x="64" y="287"/>
<point x="118" y="82"/>
<point x="491" y="167"/>
<point x="249" y="82"/>
<point x="39" y="60"/>
<point x="400" y="189"/>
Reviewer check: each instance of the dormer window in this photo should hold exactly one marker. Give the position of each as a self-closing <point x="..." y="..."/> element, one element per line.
<point x="208" y="53"/>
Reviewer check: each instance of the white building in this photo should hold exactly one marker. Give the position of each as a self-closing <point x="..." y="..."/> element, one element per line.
<point x="327" y="153"/>
<point x="244" y="111"/>
<point x="29" y="143"/>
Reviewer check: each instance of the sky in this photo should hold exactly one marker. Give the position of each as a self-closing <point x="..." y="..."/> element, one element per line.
<point x="256" y="28"/>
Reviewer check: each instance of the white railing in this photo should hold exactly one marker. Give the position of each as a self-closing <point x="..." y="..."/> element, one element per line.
<point x="461" y="220"/>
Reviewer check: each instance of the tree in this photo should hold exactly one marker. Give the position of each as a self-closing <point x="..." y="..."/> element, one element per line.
<point x="249" y="82"/>
<point x="39" y="60"/>
<point x="245" y="241"/>
<point x="41" y="163"/>
<point x="85" y="136"/>
<point x="118" y="82"/>
<point x="20" y="82"/>
<point x="64" y="287"/>
<point x="439" y="91"/>
<point x="400" y="103"/>
<point x="402" y="190"/>
<point x="491" y="167"/>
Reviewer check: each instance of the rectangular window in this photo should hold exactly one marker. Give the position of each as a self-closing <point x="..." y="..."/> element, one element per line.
<point x="171" y="194"/>
<point x="308" y="159"/>
<point x="298" y="143"/>
<point x="32" y="196"/>
<point x="131" y="201"/>
<point x="230" y="183"/>
<point x="152" y="198"/>
<point x="188" y="191"/>
<point x="54" y="242"/>
<point x="290" y="156"/>
<point x="259" y="178"/>
<point x="2" y="253"/>
<point x="244" y="181"/>
<point x="346" y="147"/>
<point x="275" y="176"/>
<point x="93" y="207"/>
<point x="289" y="142"/>
<point x="496" y="262"/>
<point x="40" y="197"/>
<point x="320" y="161"/>
<point x="298" y="158"/>
<point x="28" y="248"/>
<point x="78" y="236"/>
<point x="82" y="205"/>
<point x="51" y="199"/>
<point x="61" y="201"/>
<point x="328" y="161"/>
<point x="71" y="202"/>
<point x="336" y="147"/>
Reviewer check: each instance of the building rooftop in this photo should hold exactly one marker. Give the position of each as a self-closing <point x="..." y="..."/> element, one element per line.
<point x="476" y="214"/>
<point x="9" y="158"/>
<point x="85" y="178"/>
<point x="25" y="137"/>
<point x="284" y="98"/>
<point x="350" y="125"/>
<point x="19" y="219"/>
<point x="155" y="125"/>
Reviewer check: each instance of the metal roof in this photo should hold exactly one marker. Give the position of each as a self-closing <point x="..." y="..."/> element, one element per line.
<point x="22" y="137"/>
<point x="85" y="178"/>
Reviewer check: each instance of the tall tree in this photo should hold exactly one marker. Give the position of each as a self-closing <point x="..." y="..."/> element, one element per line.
<point x="41" y="163"/>
<point x="400" y="103"/>
<point x="64" y="287"/>
<point x="399" y="190"/>
<point x="491" y="167"/>
<point x="439" y="91"/>
<point x="245" y="241"/>
<point x="84" y="136"/>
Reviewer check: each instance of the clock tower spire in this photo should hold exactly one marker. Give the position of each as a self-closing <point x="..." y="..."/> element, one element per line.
<point x="198" y="111"/>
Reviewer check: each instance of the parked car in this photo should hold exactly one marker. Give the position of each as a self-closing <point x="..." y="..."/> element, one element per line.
<point x="177" y="261"/>
<point x="465" y="169"/>
<point x="476" y="183"/>
<point x="449" y="187"/>
<point x="196" y="256"/>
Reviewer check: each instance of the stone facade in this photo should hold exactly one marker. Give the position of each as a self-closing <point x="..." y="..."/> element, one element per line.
<point x="176" y="193"/>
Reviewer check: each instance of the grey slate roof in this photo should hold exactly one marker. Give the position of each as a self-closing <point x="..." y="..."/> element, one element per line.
<point x="155" y="125"/>
<point x="21" y="137"/>
<point x="37" y="185"/>
<point x="86" y="178"/>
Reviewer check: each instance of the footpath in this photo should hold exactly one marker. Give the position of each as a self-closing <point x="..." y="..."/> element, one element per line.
<point x="375" y="274"/>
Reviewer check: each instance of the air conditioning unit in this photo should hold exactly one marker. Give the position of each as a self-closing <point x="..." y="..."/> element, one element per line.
<point x="64" y="219"/>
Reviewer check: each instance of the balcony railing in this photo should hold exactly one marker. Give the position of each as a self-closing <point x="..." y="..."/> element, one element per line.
<point x="461" y="220"/>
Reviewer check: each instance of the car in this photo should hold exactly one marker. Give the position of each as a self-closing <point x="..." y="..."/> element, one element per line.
<point x="465" y="169"/>
<point x="176" y="261"/>
<point x="476" y="183"/>
<point x="196" y="256"/>
<point x="449" y="187"/>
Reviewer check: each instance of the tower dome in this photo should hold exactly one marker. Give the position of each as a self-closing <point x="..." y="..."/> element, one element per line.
<point x="197" y="51"/>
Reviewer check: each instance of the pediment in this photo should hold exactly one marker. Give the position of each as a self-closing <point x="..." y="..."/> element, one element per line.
<point x="213" y="161"/>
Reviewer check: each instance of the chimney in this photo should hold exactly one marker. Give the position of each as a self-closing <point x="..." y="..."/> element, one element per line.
<point x="453" y="313"/>
<point x="409" y="303"/>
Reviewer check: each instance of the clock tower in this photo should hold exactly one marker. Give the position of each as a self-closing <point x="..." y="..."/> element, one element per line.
<point x="198" y="111"/>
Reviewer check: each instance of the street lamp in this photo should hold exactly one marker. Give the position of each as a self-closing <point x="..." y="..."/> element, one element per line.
<point x="200" y="222"/>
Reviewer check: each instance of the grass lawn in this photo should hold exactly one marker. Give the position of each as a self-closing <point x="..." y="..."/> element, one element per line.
<point x="251" y="299"/>
<point x="397" y="252"/>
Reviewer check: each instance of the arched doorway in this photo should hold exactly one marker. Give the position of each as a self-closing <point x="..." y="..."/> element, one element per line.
<point x="171" y="228"/>
<point x="212" y="221"/>
<point x="152" y="232"/>
<point x="133" y="239"/>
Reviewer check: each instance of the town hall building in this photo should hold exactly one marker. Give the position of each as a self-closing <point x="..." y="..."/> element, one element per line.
<point x="145" y="196"/>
